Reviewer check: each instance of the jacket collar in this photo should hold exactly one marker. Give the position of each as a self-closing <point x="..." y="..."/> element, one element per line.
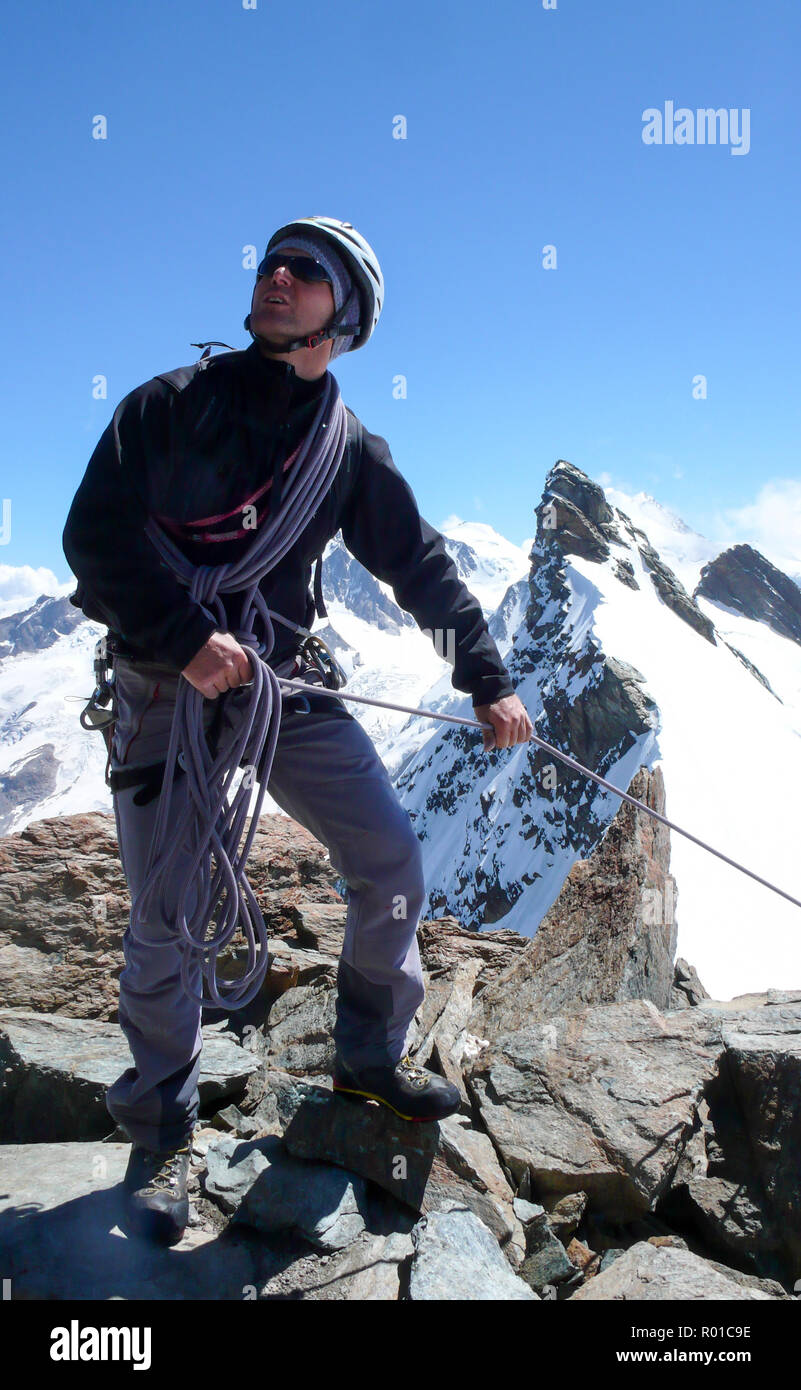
<point x="271" y="369"/>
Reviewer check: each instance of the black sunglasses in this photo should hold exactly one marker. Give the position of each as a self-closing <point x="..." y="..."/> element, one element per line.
<point x="302" y="267"/>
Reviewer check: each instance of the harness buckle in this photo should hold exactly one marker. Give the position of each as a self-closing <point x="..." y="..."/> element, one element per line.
<point x="95" y="715"/>
<point x="321" y="656"/>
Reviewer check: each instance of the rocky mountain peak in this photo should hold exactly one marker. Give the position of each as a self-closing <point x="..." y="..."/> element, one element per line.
<point x="38" y="626"/>
<point x="574" y="518"/>
<point x="743" y="579"/>
<point x="575" y="515"/>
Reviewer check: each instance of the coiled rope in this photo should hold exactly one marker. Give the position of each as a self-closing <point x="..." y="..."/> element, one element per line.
<point x="209" y="824"/>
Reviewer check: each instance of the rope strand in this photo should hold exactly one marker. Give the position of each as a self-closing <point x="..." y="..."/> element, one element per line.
<point x="557" y="753"/>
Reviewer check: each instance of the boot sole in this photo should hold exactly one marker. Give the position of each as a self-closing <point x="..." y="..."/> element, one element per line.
<point x="351" y="1093"/>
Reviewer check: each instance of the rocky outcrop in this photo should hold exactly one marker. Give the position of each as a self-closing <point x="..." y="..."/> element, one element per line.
<point x="607" y="1146"/>
<point x="64" y="906"/>
<point x="56" y="1072"/>
<point x="686" y="989"/>
<point x="575" y="514"/>
<point x="672" y="592"/>
<point x="610" y="935"/>
<point x="743" y="580"/>
<point x="659" y="1273"/>
<point x="575" y="517"/>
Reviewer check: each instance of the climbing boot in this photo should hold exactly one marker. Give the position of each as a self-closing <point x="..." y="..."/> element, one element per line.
<point x="158" y="1203"/>
<point x="411" y="1091"/>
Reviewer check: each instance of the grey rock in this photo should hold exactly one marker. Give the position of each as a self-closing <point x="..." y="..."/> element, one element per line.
<point x="530" y="1215"/>
<point x="56" y="1070"/>
<point x="269" y="1189"/>
<point x="730" y="1216"/>
<point x="27" y="782"/>
<point x="598" y="1101"/>
<point x="660" y="1273"/>
<point x="625" y="573"/>
<point x="348" y="582"/>
<point x="753" y="670"/>
<point x="64" y="1234"/>
<point x="299" y="1030"/>
<point x="672" y="592"/>
<point x="575" y="515"/>
<point x="547" y="1264"/>
<point x="763" y="1050"/>
<point x="687" y="989"/>
<point x="231" y="1118"/>
<point x="421" y="1166"/>
<point x="439" y="1028"/>
<point x="368" y="1270"/>
<point x="693" y="1161"/>
<point x="456" y="1258"/>
<point x="610" y="935"/>
<point x="565" y="1214"/>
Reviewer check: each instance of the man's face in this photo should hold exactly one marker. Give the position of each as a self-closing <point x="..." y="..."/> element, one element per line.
<point x="307" y="307"/>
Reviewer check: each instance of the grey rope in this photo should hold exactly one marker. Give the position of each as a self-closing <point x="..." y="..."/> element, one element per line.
<point x="571" y="762"/>
<point x="208" y="823"/>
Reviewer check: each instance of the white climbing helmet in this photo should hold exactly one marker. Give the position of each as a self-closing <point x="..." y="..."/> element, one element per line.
<point x="359" y="257"/>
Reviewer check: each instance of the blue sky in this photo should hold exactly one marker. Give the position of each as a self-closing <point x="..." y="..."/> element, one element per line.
<point x="523" y="130"/>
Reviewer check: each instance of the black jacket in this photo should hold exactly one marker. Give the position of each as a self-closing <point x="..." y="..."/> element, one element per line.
<point x="193" y="448"/>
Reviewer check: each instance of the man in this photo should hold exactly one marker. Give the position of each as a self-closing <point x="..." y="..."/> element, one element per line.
<point x="195" y="449"/>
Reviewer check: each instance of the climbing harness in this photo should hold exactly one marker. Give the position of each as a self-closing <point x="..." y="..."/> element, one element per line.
<point x="94" y="715"/>
<point x="315" y="650"/>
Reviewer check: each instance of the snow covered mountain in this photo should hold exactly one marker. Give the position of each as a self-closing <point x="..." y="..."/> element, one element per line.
<point x="629" y="646"/>
<point x="620" y="666"/>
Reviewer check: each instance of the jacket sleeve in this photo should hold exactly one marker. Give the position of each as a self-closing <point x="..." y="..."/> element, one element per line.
<point x="383" y="529"/>
<point x="123" y="581"/>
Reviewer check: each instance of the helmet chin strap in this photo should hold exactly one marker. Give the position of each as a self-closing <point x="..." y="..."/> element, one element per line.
<point x="334" y="330"/>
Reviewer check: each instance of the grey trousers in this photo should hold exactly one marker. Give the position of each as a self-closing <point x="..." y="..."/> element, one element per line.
<point x="326" y="775"/>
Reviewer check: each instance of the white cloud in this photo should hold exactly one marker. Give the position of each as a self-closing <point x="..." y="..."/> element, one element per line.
<point x="21" y="585"/>
<point x="452" y="520"/>
<point x="771" y="523"/>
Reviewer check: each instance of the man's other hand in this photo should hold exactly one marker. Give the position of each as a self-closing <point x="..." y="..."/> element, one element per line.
<point x="220" y="665"/>
<point x="509" y="720"/>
